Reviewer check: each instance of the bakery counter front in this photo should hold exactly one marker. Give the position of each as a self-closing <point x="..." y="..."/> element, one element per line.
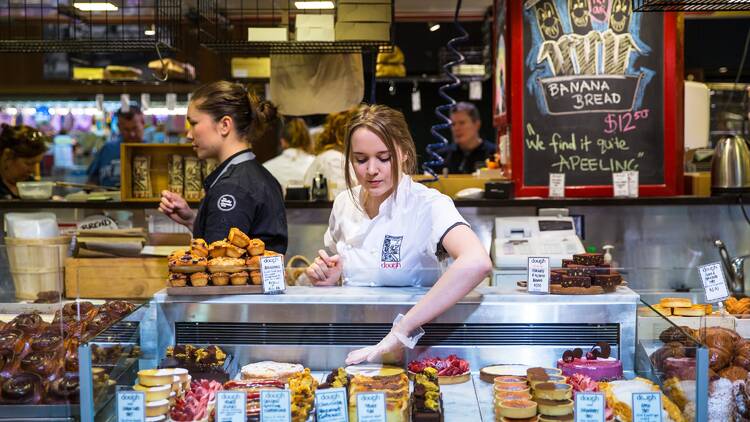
<point x="318" y="326"/>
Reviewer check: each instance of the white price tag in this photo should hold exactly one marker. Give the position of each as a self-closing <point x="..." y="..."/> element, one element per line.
<point x="231" y="406"/>
<point x="330" y="405"/>
<point x="145" y="101"/>
<point x="475" y="90"/>
<point x="416" y="101"/>
<point x="557" y="185"/>
<point x="647" y="407"/>
<point x="171" y="101"/>
<point x="632" y="183"/>
<point x="371" y="407"/>
<point x="589" y="407"/>
<point x="712" y="277"/>
<point x="272" y="274"/>
<point x="275" y="406"/>
<point x="538" y="274"/>
<point x="131" y="406"/>
<point x="100" y="102"/>
<point x="620" y="185"/>
<point x="125" y="102"/>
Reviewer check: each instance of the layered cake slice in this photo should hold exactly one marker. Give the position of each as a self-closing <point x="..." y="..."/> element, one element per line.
<point x="597" y="364"/>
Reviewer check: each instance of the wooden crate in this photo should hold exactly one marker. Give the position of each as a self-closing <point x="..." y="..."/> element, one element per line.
<point x="115" y="278"/>
<point x="159" y="154"/>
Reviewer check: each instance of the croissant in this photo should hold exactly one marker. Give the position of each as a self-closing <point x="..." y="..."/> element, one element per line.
<point x="718" y="358"/>
<point x="678" y="334"/>
<point x="742" y="354"/>
<point x="733" y="373"/>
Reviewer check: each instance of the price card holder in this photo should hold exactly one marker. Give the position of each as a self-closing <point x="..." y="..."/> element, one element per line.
<point x="231" y="406"/>
<point x="131" y="406"/>
<point x="475" y="90"/>
<point x="589" y="407"/>
<point x="371" y="407"/>
<point x="647" y="407"/>
<point x="145" y="101"/>
<point x="272" y="274"/>
<point x="712" y="277"/>
<point x="416" y="100"/>
<point x="620" y="185"/>
<point x="275" y="406"/>
<point x="538" y="274"/>
<point x="330" y="405"/>
<point x="632" y="184"/>
<point x="557" y="185"/>
<point x="171" y="100"/>
<point x="125" y="102"/>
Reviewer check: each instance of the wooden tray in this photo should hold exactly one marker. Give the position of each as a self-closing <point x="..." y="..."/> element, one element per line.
<point x="248" y="289"/>
<point x="556" y="289"/>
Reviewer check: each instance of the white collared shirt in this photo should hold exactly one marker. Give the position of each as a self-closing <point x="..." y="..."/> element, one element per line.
<point x="399" y="246"/>
<point x="290" y="166"/>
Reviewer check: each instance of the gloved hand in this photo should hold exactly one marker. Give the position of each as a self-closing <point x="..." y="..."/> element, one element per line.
<point x="391" y="347"/>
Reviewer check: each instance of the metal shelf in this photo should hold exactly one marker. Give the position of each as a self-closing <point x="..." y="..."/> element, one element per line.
<point x="691" y="5"/>
<point x="432" y="79"/>
<point x="298" y="47"/>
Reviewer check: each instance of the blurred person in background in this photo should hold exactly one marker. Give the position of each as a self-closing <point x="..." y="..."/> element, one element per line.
<point x="468" y="151"/>
<point x="21" y="151"/>
<point x="296" y="155"/>
<point x="329" y="150"/>
<point x="105" y="169"/>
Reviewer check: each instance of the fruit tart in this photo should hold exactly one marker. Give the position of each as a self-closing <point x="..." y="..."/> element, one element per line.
<point x="451" y="370"/>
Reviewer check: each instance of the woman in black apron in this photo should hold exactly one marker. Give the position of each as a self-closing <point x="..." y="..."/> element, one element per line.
<point x="239" y="192"/>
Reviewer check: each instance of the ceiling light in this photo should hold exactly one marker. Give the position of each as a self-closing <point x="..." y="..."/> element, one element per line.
<point x="434" y="27"/>
<point x="314" y="4"/>
<point x="723" y="70"/>
<point x="150" y="32"/>
<point x="95" y="7"/>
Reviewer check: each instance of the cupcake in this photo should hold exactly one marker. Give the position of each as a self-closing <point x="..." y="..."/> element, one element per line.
<point x="239" y="279"/>
<point x="199" y="279"/>
<point x="198" y="247"/>
<point x="177" y="280"/>
<point x="237" y="238"/>
<point x="220" y="279"/>
<point x="255" y="277"/>
<point x="256" y="247"/>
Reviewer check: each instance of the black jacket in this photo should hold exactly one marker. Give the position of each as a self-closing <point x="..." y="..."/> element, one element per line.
<point x="243" y="195"/>
<point x="459" y="161"/>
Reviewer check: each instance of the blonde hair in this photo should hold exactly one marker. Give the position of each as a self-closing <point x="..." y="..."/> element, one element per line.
<point x="297" y="135"/>
<point x="390" y="126"/>
<point x="333" y="135"/>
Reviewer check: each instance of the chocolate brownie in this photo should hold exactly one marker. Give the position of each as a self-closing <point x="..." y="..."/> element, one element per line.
<point x="576" y="281"/>
<point x="555" y="276"/>
<point x="577" y="270"/>
<point x="588" y="259"/>
<point x="566" y="262"/>
<point x="608" y="282"/>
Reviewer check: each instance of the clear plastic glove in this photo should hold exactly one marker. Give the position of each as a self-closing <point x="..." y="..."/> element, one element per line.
<point x="390" y="349"/>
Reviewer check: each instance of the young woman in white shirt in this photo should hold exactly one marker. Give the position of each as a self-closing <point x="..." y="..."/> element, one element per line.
<point x="292" y="164"/>
<point x="329" y="147"/>
<point x="392" y="231"/>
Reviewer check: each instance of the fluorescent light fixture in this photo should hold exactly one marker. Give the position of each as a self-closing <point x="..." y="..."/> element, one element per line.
<point x="314" y="5"/>
<point x="434" y="27"/>
<point x="95" y="6"/>
<point x="149" y="32"/>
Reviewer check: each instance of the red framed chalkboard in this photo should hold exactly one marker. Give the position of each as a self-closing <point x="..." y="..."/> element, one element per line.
<point x="594" y="88"/>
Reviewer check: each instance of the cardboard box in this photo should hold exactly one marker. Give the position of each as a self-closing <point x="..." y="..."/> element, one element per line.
<point x="357" y="31"/>
<point x="251" y="67"/>
<point x="315" y="28"/>
<point x="115" y="278"/>
<point x="364" y="13"/>
<point x="267" y="34"/>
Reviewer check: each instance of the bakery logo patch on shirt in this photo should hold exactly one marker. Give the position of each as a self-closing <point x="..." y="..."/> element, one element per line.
<point x="391" y="255"/>
<point x="226" y="202"/>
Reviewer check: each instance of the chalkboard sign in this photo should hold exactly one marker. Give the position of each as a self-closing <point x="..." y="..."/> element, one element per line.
<point x="590" y="77"/>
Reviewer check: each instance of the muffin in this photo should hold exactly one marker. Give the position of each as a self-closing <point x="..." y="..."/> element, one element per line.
<point x="239" y="279"/>
<point x="226" y="265"/>
<point x="256" y="247"/>
<point x="253" y="263"/>
<point x="198" y="247"/>
<point x="177" y="280"/>
<point x="237" y="238"/>
<point x="220" y="279"/>
<point x="218" y="249"/>
<point x="234" y="252"/>
<point x="187" y="263"/>
<point x="255" y="277"/>
<point x="199" y="279"/>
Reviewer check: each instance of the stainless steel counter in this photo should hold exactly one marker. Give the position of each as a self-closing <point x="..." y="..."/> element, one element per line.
<point x="319" y="326"/>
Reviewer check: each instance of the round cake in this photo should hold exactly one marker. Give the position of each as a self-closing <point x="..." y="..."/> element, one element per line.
<point x="598" y="369"/>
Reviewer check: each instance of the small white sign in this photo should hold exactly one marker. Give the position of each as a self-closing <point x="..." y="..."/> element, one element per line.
<point x="125" y="102"/>
<point x="145" y="101"/>
<point x="557" y="185"/>
<point x="231" y="406"/>
<point x="538" y="274"/>
<point x="620" y="185"/>
<point x="330" y="405"/>
<point x="100" y="102"/>
<point x="275" y="406"/>
<point x="371" y="407"/>
<point x="171" y="100"/>
<point x="416" y="100"/>
<point x="632" y="183"/>
<point x="647" y="407"/>
<point x="131" y="406"/>
<point x="475" y="90"/>
<point x="712" y="277"/>
<point x="589" y="407"/>
<point x="272" y="274"/>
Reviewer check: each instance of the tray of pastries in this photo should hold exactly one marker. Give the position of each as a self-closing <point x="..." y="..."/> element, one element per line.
<point x="227" y="266"/>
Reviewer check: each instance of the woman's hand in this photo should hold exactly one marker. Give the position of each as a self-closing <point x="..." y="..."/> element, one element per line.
<point x="389" y="350"/>
<point x="325" y="270"/>
<point x="175" y="207"/>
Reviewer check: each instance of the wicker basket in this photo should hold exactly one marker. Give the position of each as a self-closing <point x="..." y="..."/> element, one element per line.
<point x="37" y="265"/>
<point x="294" y="271"/>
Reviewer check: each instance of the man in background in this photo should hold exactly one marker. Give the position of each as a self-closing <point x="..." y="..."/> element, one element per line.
<point x="105" y="169"/>
<point x="468" y="151"/>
